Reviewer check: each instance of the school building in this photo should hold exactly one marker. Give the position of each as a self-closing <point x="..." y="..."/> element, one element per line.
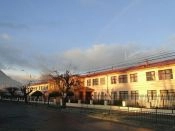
<point x="147" y="84"/>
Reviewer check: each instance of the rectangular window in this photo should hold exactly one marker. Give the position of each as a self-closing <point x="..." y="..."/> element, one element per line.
<point x="123" y="95"/>
<point x="152" y="94"/>
<point x="102" y="95"/>
<point x="89" y="82"/>
<point x="113" y="79"/>
<point x="133" y="77"/>
<point x="135" y="95"/>
<point x="114" y="95"/>
<point x="123" y="79"/>
<point x="95" y="96"/>
<point x="102" y="81"/>
<point x="167" y="94"/>
<point x="95" y="81"/>
<point x="171" y="94"/>
<point x="165" y="74"/>
<point x="150" y="76"/>
<point x="164" y="95"/>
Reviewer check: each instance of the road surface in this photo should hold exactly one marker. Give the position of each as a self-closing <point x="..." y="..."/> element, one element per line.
<point x="21" y="117"/>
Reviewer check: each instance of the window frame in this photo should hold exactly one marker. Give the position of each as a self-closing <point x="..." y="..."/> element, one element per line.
<point x="150" y="76"/>
<point x="165" y="74"/>
<point x="113" y="79"/>
<point x="123" y="95"/>
<point x="88" y="82"/>
<point x="133" y="77"/>
<point x="114" y="95"/>
<point x="95" y="81"/>
<point x="134" y="95"/>
<point x="102" y="81"/>
<point x="123" y="79"/>
<point x="152" y="94"/>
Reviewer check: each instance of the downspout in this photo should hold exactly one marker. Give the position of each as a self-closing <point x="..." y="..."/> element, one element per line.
<point x="107" y="85"/>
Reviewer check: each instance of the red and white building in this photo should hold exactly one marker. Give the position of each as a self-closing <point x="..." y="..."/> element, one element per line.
<point x="146" y="84"/>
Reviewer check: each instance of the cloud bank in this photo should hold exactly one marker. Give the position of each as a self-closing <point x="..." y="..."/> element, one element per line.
<point x="11" y="56"/>
<point x="99" y="56"/>
<point x="78" y="60"/>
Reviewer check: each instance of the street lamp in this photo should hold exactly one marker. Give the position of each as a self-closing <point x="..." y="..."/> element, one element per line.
<point x="27" y="79"/>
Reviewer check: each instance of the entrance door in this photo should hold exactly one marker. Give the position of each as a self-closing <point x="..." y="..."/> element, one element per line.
<point x="88" y="96"/>
<point x="81" y="95"/>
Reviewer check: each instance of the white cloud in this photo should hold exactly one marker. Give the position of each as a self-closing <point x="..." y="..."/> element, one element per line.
<point x="78" y="60"/>
<point x="5" y="36"/>
<point x="99" y="56"/>
<point x="95" y="57"/>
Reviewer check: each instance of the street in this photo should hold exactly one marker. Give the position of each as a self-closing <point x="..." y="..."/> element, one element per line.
<point x="21" y="117"/>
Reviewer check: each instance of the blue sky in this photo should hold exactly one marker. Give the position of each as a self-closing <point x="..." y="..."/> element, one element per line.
<point x="42" y="35"/>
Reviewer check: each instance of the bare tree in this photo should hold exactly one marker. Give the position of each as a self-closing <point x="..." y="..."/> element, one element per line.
<point x="65" y="84"/>
<point x="26" y="92"/>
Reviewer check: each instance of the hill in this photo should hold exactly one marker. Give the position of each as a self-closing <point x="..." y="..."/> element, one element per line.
<point x="6" y="81"/>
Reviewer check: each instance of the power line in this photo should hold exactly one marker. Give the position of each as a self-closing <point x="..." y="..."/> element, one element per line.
<point x="159" y="56"/>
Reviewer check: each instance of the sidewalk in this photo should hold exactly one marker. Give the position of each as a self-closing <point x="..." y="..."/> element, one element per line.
<point x="122" y="108"/>
<point x="123" y="117"/>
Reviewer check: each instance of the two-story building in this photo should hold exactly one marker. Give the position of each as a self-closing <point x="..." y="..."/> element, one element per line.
<point x="80" y="92"/>
<point x="150" y="84"/>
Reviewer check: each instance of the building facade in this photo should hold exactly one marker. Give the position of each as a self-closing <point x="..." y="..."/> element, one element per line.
<point x="80" y="92"/>
<point x="147" y="84"/>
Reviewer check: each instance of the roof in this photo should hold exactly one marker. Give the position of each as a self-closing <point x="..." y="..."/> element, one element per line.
<point x="146" y="64"/>
<point x="40" y="83"/>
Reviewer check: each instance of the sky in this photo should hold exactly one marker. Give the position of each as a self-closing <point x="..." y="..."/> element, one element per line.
<point x="38" y="36"/>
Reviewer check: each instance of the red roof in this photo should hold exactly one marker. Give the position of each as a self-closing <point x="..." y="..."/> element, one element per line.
<point x="145" y="64"/>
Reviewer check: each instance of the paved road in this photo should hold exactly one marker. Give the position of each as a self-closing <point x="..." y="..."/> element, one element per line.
<point x="21" y="117"/>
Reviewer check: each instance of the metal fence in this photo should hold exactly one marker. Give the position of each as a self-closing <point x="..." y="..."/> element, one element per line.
<point x="165" y="102"/>
<point x="149" y="116"/>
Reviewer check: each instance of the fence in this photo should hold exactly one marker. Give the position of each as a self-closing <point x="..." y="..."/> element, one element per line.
<point x="154" y="116"/>
<point x="124" y="113"/>
<point x="161" y="101"/>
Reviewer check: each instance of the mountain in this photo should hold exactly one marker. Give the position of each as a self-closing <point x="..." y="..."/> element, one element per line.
<point x="6" y="81"/>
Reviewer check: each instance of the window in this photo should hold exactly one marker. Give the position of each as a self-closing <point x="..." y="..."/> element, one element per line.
<point x="152" y="94"/>
<point x="171" y="94"/>
<point x="123" y="79"/>
<point x="164" y="95"/>
<point x="113" y="79"/>
<point x="135" y="95"/>
<point x="123" y="95"/>
<point x="95" y="82"/>
<point x="167" y="94"/>
<point x="114" y="95"/>
<point x="95" y="96"/>
<point x="102" y="81"/>
<point x="150" y="76"/>
<point x="89" y="82"/>
<point x="133" y="77"/>
<point x="165" y="74"/>
<point x="102" y="95"/>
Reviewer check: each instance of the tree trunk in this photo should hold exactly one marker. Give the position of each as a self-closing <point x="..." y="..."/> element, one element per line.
<point x="64" y="102"/>
<point x="25" y="99"/>
<point x="48" y="99"/>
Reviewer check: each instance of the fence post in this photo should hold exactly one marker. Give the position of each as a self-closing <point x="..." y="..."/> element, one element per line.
<point x="156" y="115"/>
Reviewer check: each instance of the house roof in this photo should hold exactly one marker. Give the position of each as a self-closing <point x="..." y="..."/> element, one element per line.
<point x="145" y="64"/>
